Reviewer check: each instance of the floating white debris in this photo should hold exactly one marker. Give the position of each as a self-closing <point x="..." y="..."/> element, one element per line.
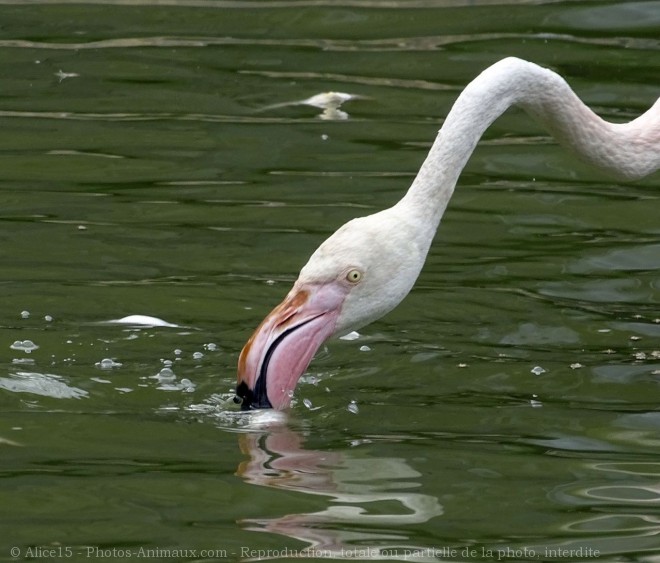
<point x="107" y="363"/>
<point x="328" y="99"/>
<point x="24" y="345"/>
<point x="350" y="336"/>
<point x="61" y="75"/>
<point x="353" y="408"/>
<point x="329" y="102"/>
<point x="141" y="320"/>
<point x="537" y="370"/>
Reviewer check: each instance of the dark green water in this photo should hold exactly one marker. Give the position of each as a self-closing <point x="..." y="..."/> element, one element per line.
<point x="153" y="161"/>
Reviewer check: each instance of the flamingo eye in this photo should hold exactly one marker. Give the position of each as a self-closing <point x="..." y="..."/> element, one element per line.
<point x="354" y="275"/>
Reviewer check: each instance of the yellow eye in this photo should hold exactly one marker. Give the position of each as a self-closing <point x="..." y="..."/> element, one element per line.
<point x="354" y="276"/>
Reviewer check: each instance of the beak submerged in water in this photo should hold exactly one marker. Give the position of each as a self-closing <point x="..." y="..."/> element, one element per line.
<point x="277" y="354"/>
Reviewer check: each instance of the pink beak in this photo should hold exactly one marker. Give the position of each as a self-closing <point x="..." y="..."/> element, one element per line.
<point x="278" y="353"/>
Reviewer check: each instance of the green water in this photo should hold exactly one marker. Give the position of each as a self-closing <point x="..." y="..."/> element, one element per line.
<point x="154" y="161"/>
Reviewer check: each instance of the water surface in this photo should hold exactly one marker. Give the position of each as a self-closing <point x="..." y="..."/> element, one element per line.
<point x="156" y="160"/>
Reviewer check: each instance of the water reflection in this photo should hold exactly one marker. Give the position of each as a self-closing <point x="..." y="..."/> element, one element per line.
<point x="615" y="525"/>
<point x="368" y="497"/>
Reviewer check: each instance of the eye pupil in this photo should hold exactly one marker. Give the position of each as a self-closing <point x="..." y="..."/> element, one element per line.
<point x="354" y="276"/>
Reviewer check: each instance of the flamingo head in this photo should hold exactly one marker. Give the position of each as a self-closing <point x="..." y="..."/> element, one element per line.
<point x="356" y="276"/>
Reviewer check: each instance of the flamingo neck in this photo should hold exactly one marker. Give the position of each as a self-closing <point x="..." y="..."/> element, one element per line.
<point x="629" y="150"/>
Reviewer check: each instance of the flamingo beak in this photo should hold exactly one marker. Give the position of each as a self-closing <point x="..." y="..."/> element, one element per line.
<point x="278" y="353"/>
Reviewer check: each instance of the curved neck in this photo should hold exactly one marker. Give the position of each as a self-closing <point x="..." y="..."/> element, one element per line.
<point x="630" y="150"/>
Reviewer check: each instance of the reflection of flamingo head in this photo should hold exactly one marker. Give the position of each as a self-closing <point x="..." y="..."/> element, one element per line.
<point x="278" y="459"/>
<point x="356" y="276"/>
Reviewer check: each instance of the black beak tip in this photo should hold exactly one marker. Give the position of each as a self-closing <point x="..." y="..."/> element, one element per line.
<point x="251" y="400"/>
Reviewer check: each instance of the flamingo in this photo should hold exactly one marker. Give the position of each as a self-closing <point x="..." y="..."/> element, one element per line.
<point x="369" y="265"/>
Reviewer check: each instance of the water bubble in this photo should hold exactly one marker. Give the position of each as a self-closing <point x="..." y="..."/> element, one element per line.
<point x="211" y="347"/>
<point x="107" y="363"/>
<point x="25" y="314"/>
<point x="165" y="374"/>
<point x="48" y="318"/>
<point x="352" y="407"/>
<point x="354" y="335"/>
<point x="25" y="345"/>
<point x="198" y="355"/>
<point x="311" y="379"/>
<point x="537" y="370"/>
<point x="186" y="385"/>
<point x="576" y="365"/>
<point x="178" y="352"/>
<point x="307" y="403"/>
<point x="167" y="363"/>
<point x="365" y="348"/>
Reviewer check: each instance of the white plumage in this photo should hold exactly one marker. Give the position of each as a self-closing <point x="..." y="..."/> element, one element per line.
<point x="370" y="264"/>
